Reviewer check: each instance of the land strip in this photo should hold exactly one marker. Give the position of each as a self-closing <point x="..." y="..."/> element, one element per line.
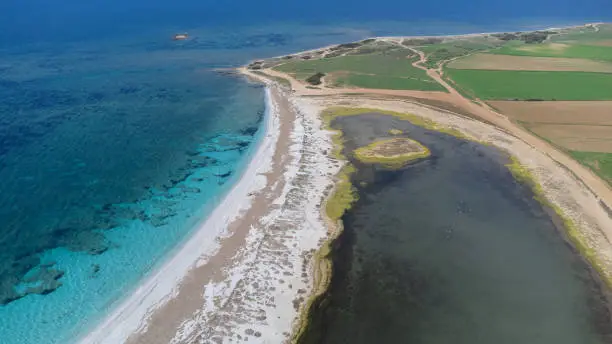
<point x="529" y="63"/>
<point x="559" y="112"/>
<point x="532" y="85"/>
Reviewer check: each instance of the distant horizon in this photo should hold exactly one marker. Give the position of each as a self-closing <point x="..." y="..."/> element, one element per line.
<point x="35" y="21"/>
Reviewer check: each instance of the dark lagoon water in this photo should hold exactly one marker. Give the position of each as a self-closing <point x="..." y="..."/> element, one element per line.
<point x="453" y="250"/>
<point x="115" y="141"/>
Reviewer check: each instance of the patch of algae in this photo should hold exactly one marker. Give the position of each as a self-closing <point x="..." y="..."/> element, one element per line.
<point x="392" y="154"/>
<point x="524" y="176"/>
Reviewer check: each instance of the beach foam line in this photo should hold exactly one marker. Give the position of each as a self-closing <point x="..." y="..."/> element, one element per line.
<point x="131" y="315"/>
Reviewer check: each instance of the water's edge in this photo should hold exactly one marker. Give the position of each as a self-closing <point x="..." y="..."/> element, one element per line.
<point x="130" y="314"/>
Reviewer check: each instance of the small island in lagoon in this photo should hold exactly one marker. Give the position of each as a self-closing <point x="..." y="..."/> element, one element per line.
<point x="391" y="153"/>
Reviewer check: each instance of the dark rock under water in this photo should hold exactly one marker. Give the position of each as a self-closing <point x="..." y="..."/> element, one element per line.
<point x="452" y="250"/>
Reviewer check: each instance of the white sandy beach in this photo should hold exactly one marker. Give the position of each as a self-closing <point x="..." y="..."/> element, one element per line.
<point x="163" y="284"/>
<point x="243" y="274"/>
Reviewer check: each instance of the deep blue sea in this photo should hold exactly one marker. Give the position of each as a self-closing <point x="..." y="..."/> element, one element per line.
<point x="116" y="141"/>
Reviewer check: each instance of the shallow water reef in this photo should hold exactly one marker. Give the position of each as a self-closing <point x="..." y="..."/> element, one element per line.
<point x="103" y="163"/>
<point x="449" y="249"/>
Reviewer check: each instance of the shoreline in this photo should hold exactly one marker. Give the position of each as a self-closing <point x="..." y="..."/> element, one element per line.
<point x="267" y="265"/>
<point x="253" y="284"/>
<point x="466" y="35"/>
<point x="130" y="315"/>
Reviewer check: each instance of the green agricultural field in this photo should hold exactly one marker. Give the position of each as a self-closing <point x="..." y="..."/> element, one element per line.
<point x="388" y="82"/>
<point x="525" y="85"/>
<point x="390" y="70"/>
<point x="593" y="52"/>
<point x="600" y="163"/>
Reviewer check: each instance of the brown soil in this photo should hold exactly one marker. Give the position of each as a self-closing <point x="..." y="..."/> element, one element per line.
<point x="509" y="62"/>
<point x="560" y="112"/>
<point x="590" y="138"/>
<point x="605" y="43"/>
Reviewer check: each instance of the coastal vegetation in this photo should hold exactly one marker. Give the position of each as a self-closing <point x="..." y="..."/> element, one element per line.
<point x="588" y="34"/>
<point x="533" y="85"/>
<point x="439" y="53"/>
<point x="343" y="195"/>
<point x="384" y="70"/>
<point x="315" y="79"/>
<point x="392" y="153"/>
<point x="527" y="37"/>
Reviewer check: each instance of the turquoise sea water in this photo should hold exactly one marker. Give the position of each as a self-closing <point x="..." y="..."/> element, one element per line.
<point x="115" y="141"/>
<point x="111" y="153"/>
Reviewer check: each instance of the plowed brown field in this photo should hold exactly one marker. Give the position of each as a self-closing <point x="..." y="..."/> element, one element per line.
<point x="560" y="112"/>
<point x="510" y="62"/>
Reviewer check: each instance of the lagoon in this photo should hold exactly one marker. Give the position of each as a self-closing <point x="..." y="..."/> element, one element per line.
<point x="453" y="249"/>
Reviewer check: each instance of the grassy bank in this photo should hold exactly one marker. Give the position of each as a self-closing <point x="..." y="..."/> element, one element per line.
<point x="392" y="70"/>
<point x="578" y="240"/>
